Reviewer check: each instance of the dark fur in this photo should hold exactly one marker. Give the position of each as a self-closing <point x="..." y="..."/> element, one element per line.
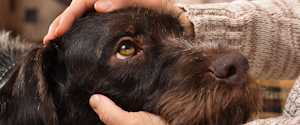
<point x="10" y="49"/>
<point x="169" y="77"/>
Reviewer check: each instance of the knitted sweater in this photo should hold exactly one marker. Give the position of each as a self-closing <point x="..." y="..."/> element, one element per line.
<point x="267" y="32"/>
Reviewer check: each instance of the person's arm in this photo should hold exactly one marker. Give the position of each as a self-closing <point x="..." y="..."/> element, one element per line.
<point x="266" y="31"/>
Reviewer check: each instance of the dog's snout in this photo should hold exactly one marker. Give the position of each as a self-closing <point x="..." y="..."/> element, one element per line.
<point x="231" y="68"/>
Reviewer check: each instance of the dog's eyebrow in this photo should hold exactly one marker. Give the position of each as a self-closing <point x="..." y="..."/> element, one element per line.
<point x="130" y="29"/>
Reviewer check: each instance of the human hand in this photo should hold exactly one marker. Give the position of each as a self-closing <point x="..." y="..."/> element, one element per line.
<point x="110" y="114"/>
<point x="78" y="7"/>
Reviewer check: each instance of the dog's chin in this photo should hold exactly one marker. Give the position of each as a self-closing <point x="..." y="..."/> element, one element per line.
<point x="240" y="102"/>
<point x="216" y="103"/>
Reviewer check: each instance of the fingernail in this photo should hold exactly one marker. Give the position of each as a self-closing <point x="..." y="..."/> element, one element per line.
<point x="94" y="102"/>
<point x="45" y="40"/>
<point x="104" y="5"/>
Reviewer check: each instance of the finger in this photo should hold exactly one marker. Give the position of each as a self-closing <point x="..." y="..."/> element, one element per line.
<point x="62" y="23"/>
<point x="109" y="113"/>
<point x="65" y="22"/>
<point x="73" y="12"/>
<point x="51" y="32"/>
<point x="104" y="6"/>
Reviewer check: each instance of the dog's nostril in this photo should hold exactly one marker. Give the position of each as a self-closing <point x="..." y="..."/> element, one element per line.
<point x="230" y="68"/>
<point x="231" y="72"/>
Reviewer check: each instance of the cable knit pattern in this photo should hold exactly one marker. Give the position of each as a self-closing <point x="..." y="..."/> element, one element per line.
<point x="267" y="32"/>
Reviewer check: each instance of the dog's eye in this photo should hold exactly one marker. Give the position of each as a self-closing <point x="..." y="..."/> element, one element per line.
<point x="125" y="51"/>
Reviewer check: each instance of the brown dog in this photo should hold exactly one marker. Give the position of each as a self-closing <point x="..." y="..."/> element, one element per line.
<point x="139" y="59"/>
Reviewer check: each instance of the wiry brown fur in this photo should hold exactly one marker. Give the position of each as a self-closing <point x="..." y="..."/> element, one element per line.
<point x="10" y="49"/>
<point x="168" y="75"/>
<point x="199" y="98"/>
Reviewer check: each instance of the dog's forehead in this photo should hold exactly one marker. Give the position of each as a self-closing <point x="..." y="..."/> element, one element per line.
<point x="137" y="21"/>
<point x="101" y="32"/>
<point x="141" y="23"/>
<point x="131" y="21"/>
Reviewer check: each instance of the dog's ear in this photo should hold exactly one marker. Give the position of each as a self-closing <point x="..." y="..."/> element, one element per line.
<point x="30" y="95"/>
<point x="52" y="79"/>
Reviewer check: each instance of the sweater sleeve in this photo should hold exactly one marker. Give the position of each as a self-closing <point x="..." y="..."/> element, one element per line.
<point x="291" y="112"/>
<point x="267" y="32"/>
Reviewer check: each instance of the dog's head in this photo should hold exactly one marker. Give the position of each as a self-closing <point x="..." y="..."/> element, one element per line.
<point x="139" y="59"/>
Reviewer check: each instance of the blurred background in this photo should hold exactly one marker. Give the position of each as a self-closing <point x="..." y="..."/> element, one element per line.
<point x="32" y="18"/>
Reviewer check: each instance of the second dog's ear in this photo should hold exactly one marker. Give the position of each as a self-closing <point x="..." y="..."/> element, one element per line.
<point x="50" y="71"/>
<point x="29" y="94"/>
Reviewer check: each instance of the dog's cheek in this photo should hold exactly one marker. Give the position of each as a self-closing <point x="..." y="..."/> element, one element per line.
<point x="193" y="96"/>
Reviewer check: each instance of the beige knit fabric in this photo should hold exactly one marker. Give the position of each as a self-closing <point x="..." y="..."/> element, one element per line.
<point x="267" y="32"/>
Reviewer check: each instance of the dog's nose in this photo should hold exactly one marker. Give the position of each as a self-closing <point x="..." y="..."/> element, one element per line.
<point x="231" y="68"/>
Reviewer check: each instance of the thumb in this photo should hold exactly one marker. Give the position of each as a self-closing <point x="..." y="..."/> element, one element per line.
<point x="110" y="114"/>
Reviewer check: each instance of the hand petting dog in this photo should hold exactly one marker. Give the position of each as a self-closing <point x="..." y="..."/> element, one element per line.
<point x="110" y="114"/>
<point x="78" y="7"/>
